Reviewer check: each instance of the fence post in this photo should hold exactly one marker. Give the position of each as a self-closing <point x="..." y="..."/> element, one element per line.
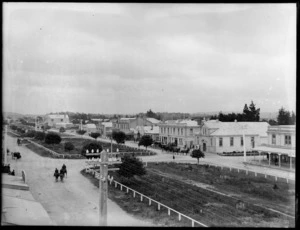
<point x="287" y="180"/>
<point x="133" y="193"/>
<point x="193" y="223"/>
<point x="230" y="169"/>
<point x="121" y="187"/>
<point x="179" y="217"/>
<point x="158" y="207"/>
<point x="127" y="190"/>
<point x="275" y="178"/>
<point x="238" y="170"/>
<point x="141" y="198"/>
<point x="265" y="175"/>
<point x="255" y="173"/>
<point x="169" y="212"/>
<point x="246" y="172"/>
<point x="116" y="184"/>
<point x="149" y="202"/>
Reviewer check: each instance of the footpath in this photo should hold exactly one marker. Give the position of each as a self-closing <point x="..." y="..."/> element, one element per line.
<point x="18" y="205"/>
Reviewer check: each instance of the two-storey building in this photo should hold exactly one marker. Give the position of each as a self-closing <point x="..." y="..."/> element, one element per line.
<point x="281" y="145"/>
<point x="127" y="125"/>
<point x="180" y="132"/>
<point x="53" y="119"/>
<point x="217" y="137"/>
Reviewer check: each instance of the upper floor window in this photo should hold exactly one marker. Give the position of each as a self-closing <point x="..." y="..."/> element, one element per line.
<point x="220" y="141"/>
<point x="173" y="130"/>
<point x="231" y="141"/>
<point x="191" y="131"/>
<point x="273" y="139"/>
<point x="242" y="141"/>
<point x="287" y="139"/>
<point x="181" y="131"/>
<point x="61" y="119"/>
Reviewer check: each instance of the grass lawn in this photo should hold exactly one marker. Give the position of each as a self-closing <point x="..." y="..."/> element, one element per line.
<point x="210" y="208"/>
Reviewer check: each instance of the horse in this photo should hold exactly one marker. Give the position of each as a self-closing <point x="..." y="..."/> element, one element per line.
<point x="61" y="175"/>
<point x="64" y="169"/>
<point x="56" y="175"/>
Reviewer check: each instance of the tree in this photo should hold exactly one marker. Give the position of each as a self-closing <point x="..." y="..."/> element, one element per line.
<point x="272" y="122"/>
<point x="246" y="113"/>
<point x="39" y="135"/>
<point x="94" y="145"/>
<point x="95" y="135"/>
<point x="283" y="117"/>
<point x="81" y="132"/>
<point x="13" y="127"/>
<point x="131" y="166"/>
<point x="254" y="113"/>
<point x="197" y="153"/>
<point x="146" y="141"/>
<point x="30" y="133"/>
<point x="69" y="146"/>
<point x="119" y="136"/>
<point x="52" y="138"/>
<point x="62" y="130"/>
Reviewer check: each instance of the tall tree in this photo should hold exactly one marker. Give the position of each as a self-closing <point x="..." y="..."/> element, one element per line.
<point x="254" y="113"/>
<point x="246" y="113"/>
<point x="284" y="117"/>
<point x="131" y="166"/>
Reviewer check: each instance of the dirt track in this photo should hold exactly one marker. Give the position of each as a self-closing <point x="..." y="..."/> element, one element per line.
<point x="72" y="202"/>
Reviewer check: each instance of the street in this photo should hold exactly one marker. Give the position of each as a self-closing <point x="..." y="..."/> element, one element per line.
<point x="72" y="202"/>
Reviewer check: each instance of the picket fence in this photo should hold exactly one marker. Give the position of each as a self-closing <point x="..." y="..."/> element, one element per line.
<point x="159" y="205"/>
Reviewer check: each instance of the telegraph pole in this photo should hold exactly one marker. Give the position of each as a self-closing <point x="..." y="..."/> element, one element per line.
<point x="103" y="182"/>
<point x="4" y="145"/>
<point x="103" y="189"/>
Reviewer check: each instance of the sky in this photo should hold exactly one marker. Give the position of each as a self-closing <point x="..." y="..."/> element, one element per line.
<point x="114" y="58"/>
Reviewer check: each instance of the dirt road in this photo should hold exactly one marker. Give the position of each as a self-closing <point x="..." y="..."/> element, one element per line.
<point x="72" y="202"/>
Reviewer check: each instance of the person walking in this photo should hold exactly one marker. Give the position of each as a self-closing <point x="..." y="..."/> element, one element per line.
<point x="173" y="157"/>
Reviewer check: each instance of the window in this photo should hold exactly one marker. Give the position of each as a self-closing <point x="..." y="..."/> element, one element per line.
<point x="180" y="141"/>
<point x="220" y="141"/>
<point x="253" y="142"/>
<point x="191" y="131"/>
<point x="61" y="119"/>
<point x="242" y="141"/>
<point x="173" y="130"/>
<point x="231" y="141"/>
<point x="182" y="131"/>
<point x="287" y="139"/>
<point x="273" y="139"/>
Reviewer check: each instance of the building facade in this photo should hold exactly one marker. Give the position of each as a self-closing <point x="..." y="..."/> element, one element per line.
<point x="281" y="145"/>
<point x="52" y="119"/>
<point x="218" y="137"/>
<point x="105" y="128"/>
<point x="127" y="125"/>
<point x="180" y="132"/>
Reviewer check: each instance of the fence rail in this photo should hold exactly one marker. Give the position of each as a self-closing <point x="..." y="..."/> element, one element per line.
<point x="159" y="205"/>
<point x="238" y="170"/>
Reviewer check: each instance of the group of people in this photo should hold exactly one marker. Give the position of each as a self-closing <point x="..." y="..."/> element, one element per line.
<point x="6" y="169"/>
<point x="60" y="173"/>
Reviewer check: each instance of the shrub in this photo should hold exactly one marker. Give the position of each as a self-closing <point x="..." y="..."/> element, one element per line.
<point x="39" y="135"/>
<point x="81" y="132"/>
<point x="119" y="136"/>
<point x="30" y="133"/>
<point x="52" y="138"/>
<point x="62" y="130"/>
<point x="95" y="135"/>
<point x="13" y="127"/>
<point x="69" y="146"/>
<point x="91" y="145"/>
<point x="131" y="166"/>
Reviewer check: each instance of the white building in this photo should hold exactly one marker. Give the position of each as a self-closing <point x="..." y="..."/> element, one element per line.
<point x="218" y="137"/>
<point x="90" y="128"/>
<point x="152" y="131"/>
<point x="180" y="132"/>
<point x="52" y="119"/>
<point x="281" y="145"/>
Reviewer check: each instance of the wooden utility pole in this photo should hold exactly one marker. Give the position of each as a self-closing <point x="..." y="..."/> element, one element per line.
<point x="103" y="183"/>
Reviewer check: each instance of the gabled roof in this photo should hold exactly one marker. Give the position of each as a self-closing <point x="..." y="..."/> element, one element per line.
<point x="186" y="122"/>
<point x="58" y="116"/>
<point x="153" y="120"/>
<point x="107" y="124"/>
<point x="90" y="126"/>
<point x="236" y="128"/>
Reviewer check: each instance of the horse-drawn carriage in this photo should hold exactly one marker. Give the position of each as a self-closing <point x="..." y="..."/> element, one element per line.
<point x="16" y="155"/>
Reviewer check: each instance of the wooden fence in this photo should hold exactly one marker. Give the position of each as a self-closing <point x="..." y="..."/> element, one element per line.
<point x="150" y="200"/>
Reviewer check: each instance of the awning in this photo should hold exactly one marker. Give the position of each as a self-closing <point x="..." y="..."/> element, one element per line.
<point x="289" y="152"/>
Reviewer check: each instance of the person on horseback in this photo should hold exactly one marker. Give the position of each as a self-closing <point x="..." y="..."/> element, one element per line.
<point x="61" y="174"/>
<point x="64" y="168"/>
<point x="56" y="174"/>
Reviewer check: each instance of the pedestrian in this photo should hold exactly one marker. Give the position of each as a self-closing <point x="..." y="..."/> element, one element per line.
<point x="173" y="157"/>
<point x="13" y="172"/>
